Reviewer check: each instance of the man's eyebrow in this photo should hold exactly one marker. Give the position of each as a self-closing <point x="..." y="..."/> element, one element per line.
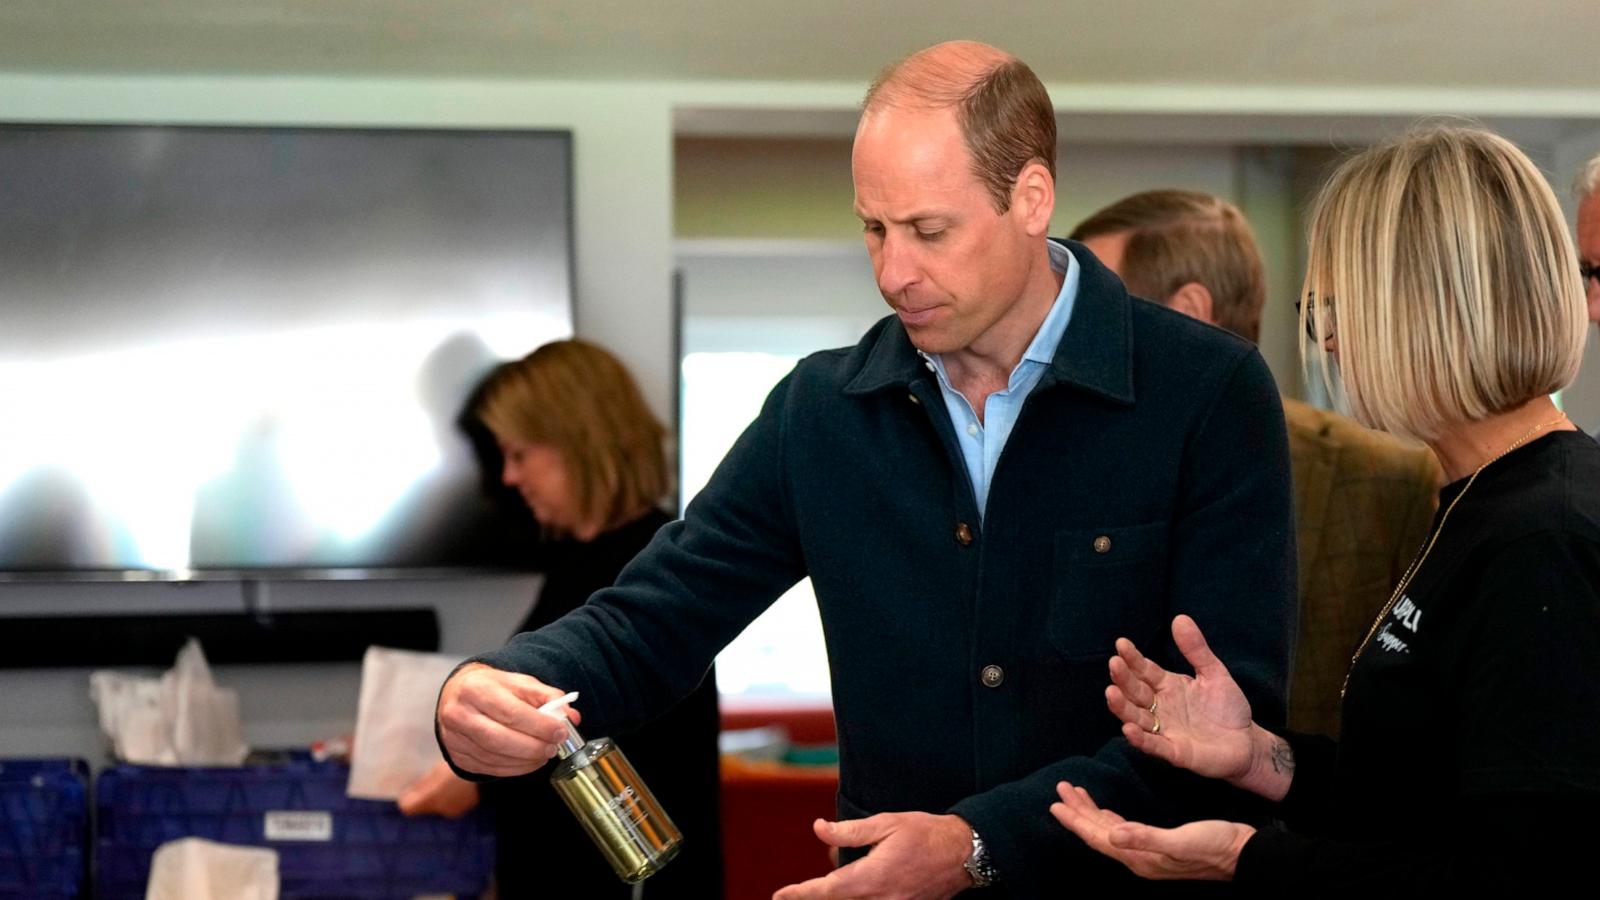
<point x="921" y="215"/>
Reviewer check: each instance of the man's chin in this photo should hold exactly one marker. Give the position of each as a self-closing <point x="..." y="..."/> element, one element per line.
<point x="930" y="340"/>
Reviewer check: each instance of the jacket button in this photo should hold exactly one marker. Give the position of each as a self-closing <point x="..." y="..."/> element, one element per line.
<point x="992" y="676"/>
<point x="913" y="399"/>
<point x="963" y="534"/>
<point x="1102" y="544"/>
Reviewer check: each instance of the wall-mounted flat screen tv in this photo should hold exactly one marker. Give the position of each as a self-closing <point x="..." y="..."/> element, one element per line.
<point x="230" y="350"/>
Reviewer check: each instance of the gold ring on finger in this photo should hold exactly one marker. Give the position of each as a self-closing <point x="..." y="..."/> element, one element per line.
<point x="1152" y="707"/>
<point x="1157" y="728"/>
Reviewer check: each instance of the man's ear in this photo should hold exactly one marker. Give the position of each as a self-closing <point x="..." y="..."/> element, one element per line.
<point x="1193" y="299"/>
<point x="1033" y="198"/>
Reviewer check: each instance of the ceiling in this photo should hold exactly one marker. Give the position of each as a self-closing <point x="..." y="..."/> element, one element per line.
<point x="1543" y="45"/>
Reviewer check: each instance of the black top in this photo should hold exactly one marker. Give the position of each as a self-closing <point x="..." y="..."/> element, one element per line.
<point x="1470" y="747"/>
<point x="540" y="845"/>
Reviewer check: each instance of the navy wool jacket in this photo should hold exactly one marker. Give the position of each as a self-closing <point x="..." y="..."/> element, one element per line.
<point x="1147" y="475"/>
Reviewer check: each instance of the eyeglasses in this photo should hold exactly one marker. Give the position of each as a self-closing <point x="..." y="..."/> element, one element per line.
<point x="1310" y="305"/>
<point x="1590" y="272"/>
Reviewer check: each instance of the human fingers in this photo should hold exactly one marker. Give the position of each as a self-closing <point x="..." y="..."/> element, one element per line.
<point x="1171" y="853"/>
<point x="1138" y="837"/>
<point x="439" y="793"/>
<point x="1157" y="745"/>
<point x="513" y="701"/>
<point x="1142" y="667"/>
<point x="1081" y="803"/>
<point x="1128" y="710"/>
<point x="1079" y="818"/>
<point x="418" y="796"/>
<point x="516" y="715"/>
<point x="413" y="801"/>
<point x="1192" y="644"/>
<point x="476" y="759"/>
<point x="1078" y="814"/>
<point x="473" y="682"/>
<point x="1068" y="792"/>
<point x="840" y="883"/>
<point x="496" y="767"/>
<point x="854" y="832"/>
<point x="470" y="734"/>
<point x="1138" y="691"/>
<point x="806" y="890"/>
<point x="1073" y="820"/>
<point x="1106" y="815"/>
<point x="537" y="693"/>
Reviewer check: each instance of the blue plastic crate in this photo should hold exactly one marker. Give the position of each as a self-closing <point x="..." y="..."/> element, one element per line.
<point x="44" y="828"/>
<point x="328" y="845"/>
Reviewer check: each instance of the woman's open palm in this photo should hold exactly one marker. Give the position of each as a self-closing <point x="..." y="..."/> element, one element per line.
<point x="1201" y="723"/>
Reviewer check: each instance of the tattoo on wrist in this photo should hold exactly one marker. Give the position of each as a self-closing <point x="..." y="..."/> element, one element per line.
<point x="1282" y="757"/>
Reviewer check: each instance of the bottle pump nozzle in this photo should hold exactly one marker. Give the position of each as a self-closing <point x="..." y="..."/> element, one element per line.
<point x="557" y="707"/>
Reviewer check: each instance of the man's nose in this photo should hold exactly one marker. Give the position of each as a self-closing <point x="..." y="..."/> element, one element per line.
<point x="897" y="265"/>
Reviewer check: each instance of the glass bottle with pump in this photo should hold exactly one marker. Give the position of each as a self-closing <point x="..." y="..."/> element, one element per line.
<point x="622" y="817"/>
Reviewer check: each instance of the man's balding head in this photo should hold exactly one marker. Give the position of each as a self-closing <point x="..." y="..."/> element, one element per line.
<point x="1003" y="109"/>
<point x="1589" y="232"/>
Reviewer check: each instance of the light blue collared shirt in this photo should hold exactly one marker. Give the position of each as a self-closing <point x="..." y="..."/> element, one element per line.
<point x="982" y="441"/>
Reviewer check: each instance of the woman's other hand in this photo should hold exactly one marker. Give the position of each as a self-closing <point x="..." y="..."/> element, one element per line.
<point x="1202" y="723"/>
<point x="439" y="793"/>
<point x="1199" y="851"/>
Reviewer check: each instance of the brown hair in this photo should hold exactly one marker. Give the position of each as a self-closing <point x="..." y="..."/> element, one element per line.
<point x="1456" y="287"/>
<point x="1004" y="111"/>
<point x="1177" y="237"/>
<point x="579" y="399"/>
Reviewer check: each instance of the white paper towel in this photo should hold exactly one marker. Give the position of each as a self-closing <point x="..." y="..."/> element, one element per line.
<point x="180" y="719"/>
<point x="191" y="868"/>
<point x="394" y="743"/>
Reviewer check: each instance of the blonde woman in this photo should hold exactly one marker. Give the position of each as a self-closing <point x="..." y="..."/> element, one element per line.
<point x="585" y="453"/>
<point x="1442" y="284"/>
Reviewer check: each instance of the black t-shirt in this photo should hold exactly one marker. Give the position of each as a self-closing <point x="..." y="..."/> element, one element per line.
<point x="1469" y="753"/>
<point x="540" y="846"/>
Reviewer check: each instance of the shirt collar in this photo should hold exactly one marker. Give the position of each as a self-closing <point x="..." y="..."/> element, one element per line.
<point x="1095" y="354"/>
<point x="1042" y="349"/>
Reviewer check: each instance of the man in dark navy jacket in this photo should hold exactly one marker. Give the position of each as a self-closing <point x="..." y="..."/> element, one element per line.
<point x="970" y="597"/>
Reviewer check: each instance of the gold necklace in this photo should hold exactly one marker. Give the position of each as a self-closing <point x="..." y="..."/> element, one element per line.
<point x="1416" y="564"/>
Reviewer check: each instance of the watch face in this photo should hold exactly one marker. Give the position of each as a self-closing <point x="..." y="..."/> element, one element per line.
<point x="978" y="865"/>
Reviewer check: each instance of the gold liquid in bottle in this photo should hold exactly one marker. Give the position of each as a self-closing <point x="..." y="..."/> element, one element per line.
<point x="620" y="814"/>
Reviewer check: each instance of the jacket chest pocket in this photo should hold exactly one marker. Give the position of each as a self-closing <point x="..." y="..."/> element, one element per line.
<point x="1108" y="583"/>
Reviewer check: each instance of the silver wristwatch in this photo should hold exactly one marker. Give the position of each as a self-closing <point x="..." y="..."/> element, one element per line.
<point x="978" y="864"/>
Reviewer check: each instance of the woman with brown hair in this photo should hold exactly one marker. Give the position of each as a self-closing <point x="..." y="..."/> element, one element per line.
<point x="1441" y="280"/>
<point x="584" y="452"/>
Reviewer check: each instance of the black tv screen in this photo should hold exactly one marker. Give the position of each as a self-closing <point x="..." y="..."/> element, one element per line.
<point x="240" y="349"/>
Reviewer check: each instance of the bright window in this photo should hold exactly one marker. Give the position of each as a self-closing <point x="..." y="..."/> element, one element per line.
<point x="781" y="654"/>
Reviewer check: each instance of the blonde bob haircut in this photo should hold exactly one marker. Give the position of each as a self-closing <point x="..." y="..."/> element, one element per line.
<point x="579" y="399"/>
<point x="1454" y="291"/>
